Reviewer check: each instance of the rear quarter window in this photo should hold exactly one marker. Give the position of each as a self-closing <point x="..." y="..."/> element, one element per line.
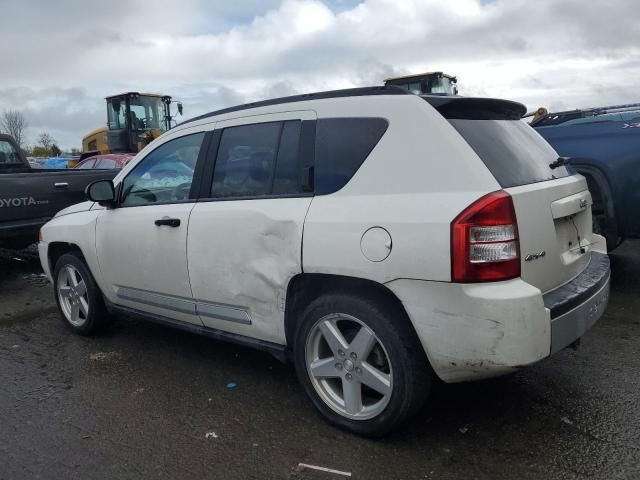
<point x="513" y="151"/>
<point x="342" y="145"/>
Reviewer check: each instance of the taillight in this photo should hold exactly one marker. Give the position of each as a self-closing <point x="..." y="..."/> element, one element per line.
<point x="484" y="241"/>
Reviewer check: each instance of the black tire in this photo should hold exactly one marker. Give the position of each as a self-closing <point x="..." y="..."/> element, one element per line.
<point x="601" y="211"/>
<point x="412" y="374"/>
<point x="97" y="318"/>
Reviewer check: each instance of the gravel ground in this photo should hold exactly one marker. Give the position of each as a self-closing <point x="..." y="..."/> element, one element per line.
<point x="145" y="401"/>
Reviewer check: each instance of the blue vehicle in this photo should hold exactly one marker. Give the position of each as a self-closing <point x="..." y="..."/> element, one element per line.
<point x="603" y="145"/>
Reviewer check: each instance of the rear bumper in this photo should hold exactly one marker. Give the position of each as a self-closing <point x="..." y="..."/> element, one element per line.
<point x="476" y="331"/>
<point x="576" y="306"/>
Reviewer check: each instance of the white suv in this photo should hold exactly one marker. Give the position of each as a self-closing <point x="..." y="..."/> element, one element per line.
<point x="377" y="239"/>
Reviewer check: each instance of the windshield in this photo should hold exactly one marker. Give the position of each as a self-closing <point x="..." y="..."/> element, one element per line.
<point x="512" y="151"/>
<point x="441" y="85"/>
<point x="8" y="154"/>
<point x="147" y="113"/>
<point x="413" y="87"/>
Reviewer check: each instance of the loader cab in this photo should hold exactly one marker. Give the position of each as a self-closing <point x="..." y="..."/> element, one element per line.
<point x="136" y="119"/>
<point x="429" y="83"/>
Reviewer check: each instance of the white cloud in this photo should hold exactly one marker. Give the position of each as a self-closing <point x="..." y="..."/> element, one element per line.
<point x="558" y="53"/>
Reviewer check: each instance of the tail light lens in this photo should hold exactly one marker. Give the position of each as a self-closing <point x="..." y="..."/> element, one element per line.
<point x="484" y="241"/>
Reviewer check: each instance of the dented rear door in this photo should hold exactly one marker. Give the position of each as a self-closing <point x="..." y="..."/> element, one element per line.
<point x="245" y="236"/>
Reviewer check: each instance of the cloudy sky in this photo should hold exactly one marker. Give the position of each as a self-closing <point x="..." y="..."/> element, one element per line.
<point x="59" y="59"/>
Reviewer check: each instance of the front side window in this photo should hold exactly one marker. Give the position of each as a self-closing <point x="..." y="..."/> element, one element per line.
<point x="165" y="175"/>
<point x="8" y="154"/>
<point x="117" y="114"/>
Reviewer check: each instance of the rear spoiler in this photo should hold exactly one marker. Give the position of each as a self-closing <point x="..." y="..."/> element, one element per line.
<point x="470" y="108"/>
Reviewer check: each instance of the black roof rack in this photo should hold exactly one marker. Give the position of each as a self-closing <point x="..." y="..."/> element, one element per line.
<point x="347" y="92"/>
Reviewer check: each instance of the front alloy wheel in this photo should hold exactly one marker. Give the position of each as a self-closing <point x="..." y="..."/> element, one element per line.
<point x="72" y="295"/>
<point x="77" y="295"/>
<point x="349" y="367"/>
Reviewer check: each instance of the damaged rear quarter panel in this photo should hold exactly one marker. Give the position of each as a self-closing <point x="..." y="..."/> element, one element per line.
<point x="478" y="330"/>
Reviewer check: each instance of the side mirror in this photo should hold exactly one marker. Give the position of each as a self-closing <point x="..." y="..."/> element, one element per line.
<point x="102" y="192"/>
<point x="180" y="108"/>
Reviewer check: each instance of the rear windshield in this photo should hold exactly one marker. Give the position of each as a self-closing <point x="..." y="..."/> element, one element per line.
<point x="8" y="154"/>
<point x="512" y="151"/>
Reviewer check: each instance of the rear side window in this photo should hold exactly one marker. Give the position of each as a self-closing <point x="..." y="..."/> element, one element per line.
<point x="245" y="160"/>
<point x="342" y="145"/>
<point x="286" y="179"/>
<point x="87" y="165"/>
<point x="512" y="151"/>
<point x="106" y="163"/>
<point x="257" y="160"/>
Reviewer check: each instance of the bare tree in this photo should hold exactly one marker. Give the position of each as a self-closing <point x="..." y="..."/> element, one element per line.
<point x="45" y="140"/>
<point x="13" y="123"/>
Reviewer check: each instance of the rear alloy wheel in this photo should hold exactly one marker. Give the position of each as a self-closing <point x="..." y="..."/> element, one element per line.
<point x="361" y="363"/>
<point x="77" y="295"/>
<point x="349" y="367"/>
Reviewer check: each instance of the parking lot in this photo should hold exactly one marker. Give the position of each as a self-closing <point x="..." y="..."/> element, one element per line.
<point x="145" y="401"/>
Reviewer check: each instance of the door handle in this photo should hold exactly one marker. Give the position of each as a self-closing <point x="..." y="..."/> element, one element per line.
<point x="61" y="185"/>
<point x="169" y="222"/>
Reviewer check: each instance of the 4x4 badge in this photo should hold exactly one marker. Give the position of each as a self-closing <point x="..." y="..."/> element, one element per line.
<point x="534" y="256"/>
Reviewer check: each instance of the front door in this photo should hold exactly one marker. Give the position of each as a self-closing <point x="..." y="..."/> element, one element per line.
<point x="245" y="240"/>
<point x="142" y="244"/>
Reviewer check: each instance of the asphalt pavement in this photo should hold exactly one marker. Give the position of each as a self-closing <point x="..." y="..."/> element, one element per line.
<point x="145" y="401"/>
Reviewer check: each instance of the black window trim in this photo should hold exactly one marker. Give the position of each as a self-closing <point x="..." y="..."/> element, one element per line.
<point x="306" y="149"/>
<point x="195" y="181"/>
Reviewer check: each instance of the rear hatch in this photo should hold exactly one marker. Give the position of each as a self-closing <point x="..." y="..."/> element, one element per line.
<point x="552" y="203"/>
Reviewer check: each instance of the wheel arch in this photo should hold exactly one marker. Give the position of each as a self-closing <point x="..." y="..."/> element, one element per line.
<point x="601" y="191"/>
<point x="306" y="287"/>
<point x="57" y="249"/>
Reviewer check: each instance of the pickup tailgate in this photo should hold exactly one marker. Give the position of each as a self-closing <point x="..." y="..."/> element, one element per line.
<point x="29" y="197"/>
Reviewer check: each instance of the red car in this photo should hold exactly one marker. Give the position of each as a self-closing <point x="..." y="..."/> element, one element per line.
<point x="107" y="161"/>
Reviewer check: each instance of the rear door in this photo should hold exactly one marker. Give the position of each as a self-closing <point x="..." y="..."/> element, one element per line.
<point x="552" y="204"/>
<point x="245" y="239"/>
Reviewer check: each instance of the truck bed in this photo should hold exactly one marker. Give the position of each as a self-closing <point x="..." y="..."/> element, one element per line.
<point x="30" y="197"/>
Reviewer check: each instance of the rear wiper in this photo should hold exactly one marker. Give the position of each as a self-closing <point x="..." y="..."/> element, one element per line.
<point x="559" y="162"/>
